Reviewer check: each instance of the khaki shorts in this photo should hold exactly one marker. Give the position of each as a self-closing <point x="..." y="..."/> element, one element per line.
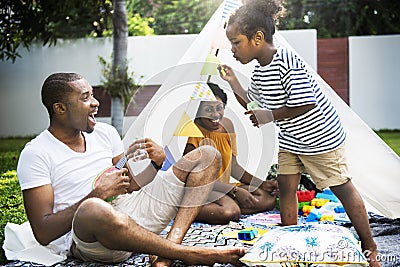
<point x="327" y="169"/>
<point x="153" y="207"/>
<point x="96" y="252"/>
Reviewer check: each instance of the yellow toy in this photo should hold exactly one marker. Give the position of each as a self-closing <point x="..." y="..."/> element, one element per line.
<point x="327" y="217"/>
<point x="319" y="202"/>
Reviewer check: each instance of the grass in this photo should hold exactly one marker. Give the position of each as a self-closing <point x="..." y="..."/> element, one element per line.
<point x="11" y="203"/>
<point x="391" y="138"/>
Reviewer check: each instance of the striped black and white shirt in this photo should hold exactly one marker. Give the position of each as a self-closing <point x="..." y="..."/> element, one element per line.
<point x="287" y="82"/>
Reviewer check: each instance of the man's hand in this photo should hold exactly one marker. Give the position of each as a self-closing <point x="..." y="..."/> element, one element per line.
<point x="259" y="117"/>
<point x="155" y="152"/>
<point x="112" y="182"/>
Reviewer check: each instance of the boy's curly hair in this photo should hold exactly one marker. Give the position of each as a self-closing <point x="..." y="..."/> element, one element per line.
<point x="258" y="15"/>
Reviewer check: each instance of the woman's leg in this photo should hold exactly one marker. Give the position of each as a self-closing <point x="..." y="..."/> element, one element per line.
<point x="221" y="211"/>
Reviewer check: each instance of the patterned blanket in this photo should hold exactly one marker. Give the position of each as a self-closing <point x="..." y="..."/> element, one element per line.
<point x="386" y="233"/>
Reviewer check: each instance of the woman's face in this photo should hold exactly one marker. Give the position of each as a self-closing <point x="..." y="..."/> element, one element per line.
<point x="210" y="114"/>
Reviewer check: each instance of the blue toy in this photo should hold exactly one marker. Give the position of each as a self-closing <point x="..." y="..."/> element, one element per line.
<point x="327" y="194"/>
<point x="247" y="234"/>
<point x="314" y="215"/>
<point x="339" y="209"/>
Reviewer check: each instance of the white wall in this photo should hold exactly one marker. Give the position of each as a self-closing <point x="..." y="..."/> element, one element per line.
<point x="21" y="111"/>
<point x="374" y="72"/>
<point x="306" y="46"/>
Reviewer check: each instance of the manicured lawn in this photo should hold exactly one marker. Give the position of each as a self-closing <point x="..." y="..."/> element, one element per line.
<point x="392" y="138"/>
<point x="11" y="204"/>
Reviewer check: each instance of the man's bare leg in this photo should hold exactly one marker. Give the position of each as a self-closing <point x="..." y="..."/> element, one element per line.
<point x="96" y="220"/>
<point x="198" y="170"/>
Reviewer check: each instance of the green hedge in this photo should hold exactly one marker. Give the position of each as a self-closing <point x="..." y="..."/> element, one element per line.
<point x="11" y="202"/>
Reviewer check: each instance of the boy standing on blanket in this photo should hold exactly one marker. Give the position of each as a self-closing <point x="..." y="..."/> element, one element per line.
<point x="57" y="168"/>
<point x="311" y="137"/>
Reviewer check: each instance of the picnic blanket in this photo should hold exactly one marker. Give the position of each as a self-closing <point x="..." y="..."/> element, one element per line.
<point x="386" y="233"/>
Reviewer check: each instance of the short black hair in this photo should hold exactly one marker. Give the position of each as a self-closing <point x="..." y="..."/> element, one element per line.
<point x="218" y="92"/>
<point x="55" y="89"/>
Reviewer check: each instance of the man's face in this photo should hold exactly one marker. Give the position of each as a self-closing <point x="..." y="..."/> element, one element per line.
<point x="82" y="106"/>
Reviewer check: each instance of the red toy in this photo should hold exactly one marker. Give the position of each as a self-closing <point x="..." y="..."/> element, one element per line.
<point x="305" y="196"/>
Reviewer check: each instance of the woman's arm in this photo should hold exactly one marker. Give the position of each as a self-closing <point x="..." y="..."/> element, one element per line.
<point x="240" y="174"/>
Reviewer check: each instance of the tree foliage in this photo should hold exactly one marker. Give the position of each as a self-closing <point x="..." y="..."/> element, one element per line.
<point x="342" y="18"/>
<point x="25" y="21"/>
<point x="177" y="16"/>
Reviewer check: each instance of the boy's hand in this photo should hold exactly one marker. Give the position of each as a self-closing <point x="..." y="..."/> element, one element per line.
<point x="226" y="72"/>
<point x="259" y="117"/>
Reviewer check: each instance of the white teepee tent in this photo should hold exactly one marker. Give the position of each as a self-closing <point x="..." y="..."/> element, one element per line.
<point x="374" y="166"/>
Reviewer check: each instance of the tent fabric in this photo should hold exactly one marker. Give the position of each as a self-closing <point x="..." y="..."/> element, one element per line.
<point x="374" y="166"/>
<point x="159" y="118"/>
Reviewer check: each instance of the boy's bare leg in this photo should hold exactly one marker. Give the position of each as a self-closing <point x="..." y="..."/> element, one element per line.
<point x="288" y="185"/>
<point x="355" y="209"/>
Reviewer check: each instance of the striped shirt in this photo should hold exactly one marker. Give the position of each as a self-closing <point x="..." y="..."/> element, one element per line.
<point x="287" y="82"/>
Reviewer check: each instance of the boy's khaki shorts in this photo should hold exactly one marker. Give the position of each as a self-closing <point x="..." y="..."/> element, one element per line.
<point x="327" y="169"/>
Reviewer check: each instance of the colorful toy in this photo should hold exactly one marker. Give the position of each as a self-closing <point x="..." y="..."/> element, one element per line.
<point x="314" y="215"/>
<point x="305" y="196"/>
<point x="327" y="194"/>
<point x="339" y="209"/>
<point x="248" y="234"/>
<point x="319" y="202"/>
<point x="300" y="205"/>
<point x="324" y="207"/>
<point x="307" y="209"/>
<point x="327" y="217"/>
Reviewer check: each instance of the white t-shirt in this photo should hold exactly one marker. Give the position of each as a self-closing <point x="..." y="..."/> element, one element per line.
<point x="46" y="160"/>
